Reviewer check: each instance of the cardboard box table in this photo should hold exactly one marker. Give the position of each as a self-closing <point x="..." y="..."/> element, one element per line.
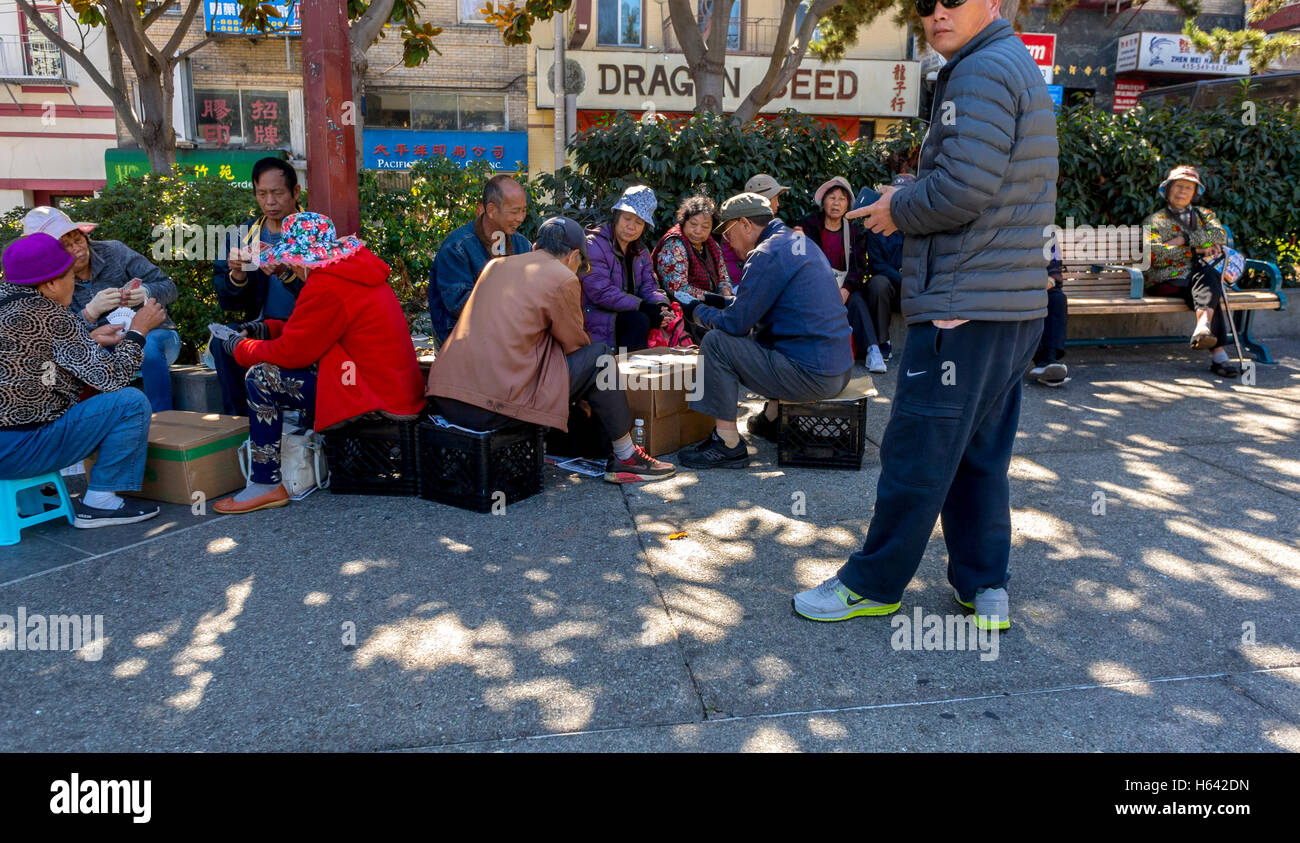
<point x="656" y="382"/>
<point x="192" y="452"/>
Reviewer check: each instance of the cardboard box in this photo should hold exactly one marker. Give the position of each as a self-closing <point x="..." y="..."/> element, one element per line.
<point x="656" y="382"/>
<point x="192" y="452"/>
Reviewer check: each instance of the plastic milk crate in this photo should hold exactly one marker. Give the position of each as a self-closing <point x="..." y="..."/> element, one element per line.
<point x="373" y="457"/>
<point x="468" y="470"/>
<point x="826" y="434"/>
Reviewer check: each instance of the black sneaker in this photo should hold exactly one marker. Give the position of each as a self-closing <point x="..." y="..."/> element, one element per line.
<point x="713" y="453"/>
<point x="759" y="425"/>
<point x="886" y="350"/>
<point x="1224" y="370"/>
<point x="131" y="511"/>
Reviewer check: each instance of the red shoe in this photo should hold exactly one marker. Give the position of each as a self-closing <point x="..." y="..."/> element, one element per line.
<point x="637" y="468"/>
<point x="277" y="497"/>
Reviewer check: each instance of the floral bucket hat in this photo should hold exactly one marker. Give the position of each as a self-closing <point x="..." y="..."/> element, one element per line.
<point x="309" y="239"/>
<point x="640" y="200"/>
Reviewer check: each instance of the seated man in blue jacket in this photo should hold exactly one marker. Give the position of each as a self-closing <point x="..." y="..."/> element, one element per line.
<point x="801" y="350"/>
<point x="884" y="270"/>
<point x="244" y="284"/>
<point x="462" y="256"/>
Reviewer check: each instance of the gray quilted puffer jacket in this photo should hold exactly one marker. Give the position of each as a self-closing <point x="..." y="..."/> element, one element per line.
<point x="974" y="219"/>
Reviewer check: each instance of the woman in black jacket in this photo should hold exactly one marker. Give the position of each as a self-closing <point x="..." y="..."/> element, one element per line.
<point x="844" y="244"/>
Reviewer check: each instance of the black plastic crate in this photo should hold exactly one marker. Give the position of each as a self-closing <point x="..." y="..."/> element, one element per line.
<point x="373" y="457"/>
<point x="468" y="469"/>
<point x="823" y="434"/>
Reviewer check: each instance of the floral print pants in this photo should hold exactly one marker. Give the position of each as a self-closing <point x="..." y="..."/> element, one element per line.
<point x="271" y="391"/>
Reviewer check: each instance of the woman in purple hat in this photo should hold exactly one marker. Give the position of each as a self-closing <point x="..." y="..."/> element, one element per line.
<point x="47" y="359"/>
<point x="621" y="301"/>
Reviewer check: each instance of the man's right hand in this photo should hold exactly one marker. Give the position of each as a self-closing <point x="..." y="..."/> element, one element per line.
<point x="104" y="302"/>
<point x="150" y="315"/>
<point x="236" y="259"/>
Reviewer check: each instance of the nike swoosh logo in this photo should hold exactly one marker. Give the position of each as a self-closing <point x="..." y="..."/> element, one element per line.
<point x="855" y="602"/>
<point x="912" y="374"/>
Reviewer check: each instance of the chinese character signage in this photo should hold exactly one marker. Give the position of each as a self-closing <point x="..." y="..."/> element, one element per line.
<point x="235" y="167"/>
<point x="223" y="16"/>
<point x="398" y="149"/>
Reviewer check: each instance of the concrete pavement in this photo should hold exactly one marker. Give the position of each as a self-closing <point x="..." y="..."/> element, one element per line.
<point x="1155" y="582"/>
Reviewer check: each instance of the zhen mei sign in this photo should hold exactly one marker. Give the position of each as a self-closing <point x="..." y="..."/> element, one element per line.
<point x="635" y="81"/>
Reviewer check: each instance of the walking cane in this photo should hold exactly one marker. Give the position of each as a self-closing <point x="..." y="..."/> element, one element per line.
<point x="1227" y="309"/>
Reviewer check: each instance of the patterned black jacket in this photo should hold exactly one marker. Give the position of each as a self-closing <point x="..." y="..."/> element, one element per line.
<point x="47" y="358"/>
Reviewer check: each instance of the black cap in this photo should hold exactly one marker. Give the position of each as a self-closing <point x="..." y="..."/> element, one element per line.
<point x="573" y="236"/>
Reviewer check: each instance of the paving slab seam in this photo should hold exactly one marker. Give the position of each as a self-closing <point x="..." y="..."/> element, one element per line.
<point x="873" y="707"/>
<point x="1248" y="478"/>
<point x="114" y="550"/>
<point x="668" y="612"/>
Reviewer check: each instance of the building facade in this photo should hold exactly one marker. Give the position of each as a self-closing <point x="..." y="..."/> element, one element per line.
<point x="55" y="122"/>
<point x="624" y="55"/>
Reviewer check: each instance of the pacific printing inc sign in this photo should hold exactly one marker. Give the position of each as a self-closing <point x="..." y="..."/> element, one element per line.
<point x="636" y="81"/>
<point x="1171" y="52"/>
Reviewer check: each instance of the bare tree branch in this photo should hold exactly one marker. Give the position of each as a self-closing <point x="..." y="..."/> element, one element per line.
<point x="195" y="47"/>
<point x="158" y="12"/>
<point x="182" y="29"/>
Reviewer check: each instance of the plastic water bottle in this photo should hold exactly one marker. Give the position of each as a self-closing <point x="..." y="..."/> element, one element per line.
<point x="638" y="433"/>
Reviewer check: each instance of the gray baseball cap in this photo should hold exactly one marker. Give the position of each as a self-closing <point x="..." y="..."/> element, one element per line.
<point x="573" y="236"/>
<point x="765" y="185"/>
<point x="742" y="205"/>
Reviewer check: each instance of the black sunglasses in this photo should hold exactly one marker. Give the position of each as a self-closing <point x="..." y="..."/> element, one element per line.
<point x="925" y="8"/>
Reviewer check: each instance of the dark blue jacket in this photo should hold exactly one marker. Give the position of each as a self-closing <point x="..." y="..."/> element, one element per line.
<point x="250" y="297"/>
<point x="456" y="266"/>
<point x="884" y="254"/>
<point x="788" y="291"/>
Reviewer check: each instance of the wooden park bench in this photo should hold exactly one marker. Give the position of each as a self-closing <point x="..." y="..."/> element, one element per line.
<point x="1101" y="275"/>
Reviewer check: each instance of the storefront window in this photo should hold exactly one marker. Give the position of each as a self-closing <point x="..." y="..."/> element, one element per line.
<point x="432" y="112"/>
<point x="471" y="11"/>
<point x="619" y="23"/>
<point x="437" y="111"/>
<point x="254" y="118"/>
<point x="733" y="26"/>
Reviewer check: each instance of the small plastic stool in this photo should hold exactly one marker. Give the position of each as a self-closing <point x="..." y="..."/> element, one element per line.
<point x="19" y="495"/>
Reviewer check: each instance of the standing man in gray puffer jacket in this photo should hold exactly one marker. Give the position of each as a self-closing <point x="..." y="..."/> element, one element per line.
<point x="974" y="295"/>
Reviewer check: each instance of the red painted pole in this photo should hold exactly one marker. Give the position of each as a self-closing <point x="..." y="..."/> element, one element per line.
<point x="327" y="89"/>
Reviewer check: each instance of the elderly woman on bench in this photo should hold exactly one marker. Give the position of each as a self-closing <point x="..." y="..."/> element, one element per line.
<point x="1178" y="233"/>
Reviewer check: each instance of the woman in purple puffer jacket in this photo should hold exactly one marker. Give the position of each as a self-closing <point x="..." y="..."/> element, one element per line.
<point x="621" y="302"/>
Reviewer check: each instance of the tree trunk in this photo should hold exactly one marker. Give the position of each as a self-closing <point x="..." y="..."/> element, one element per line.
<point x="708" y="87"/>
<point x="158" y="138"/>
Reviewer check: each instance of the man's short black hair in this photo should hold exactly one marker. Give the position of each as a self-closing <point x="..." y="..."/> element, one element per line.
<point x="492" y="191"/>
<point x="269" y="163"/>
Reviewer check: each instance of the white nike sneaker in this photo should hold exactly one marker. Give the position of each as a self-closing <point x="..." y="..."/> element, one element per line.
<point x="875" y="362"/>
<point x="833" y="601"/>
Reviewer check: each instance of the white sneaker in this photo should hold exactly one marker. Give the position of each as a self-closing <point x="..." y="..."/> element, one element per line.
<point x="1050" y="374"/>
<point x="875" y="363"/>
<point x="833" y="601"/>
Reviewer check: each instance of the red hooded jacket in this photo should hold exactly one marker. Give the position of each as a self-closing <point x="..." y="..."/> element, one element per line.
<point x="347" y="320"/>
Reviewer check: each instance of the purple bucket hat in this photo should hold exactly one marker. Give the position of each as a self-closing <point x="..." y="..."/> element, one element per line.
<point x="309" y="239"/>
<point x="34" y="259"/>
<point x="640" y="200"/>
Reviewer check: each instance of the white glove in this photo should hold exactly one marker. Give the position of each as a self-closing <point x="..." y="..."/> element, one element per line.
<point x="103" y="302"/>
<point x="135" y="297"/>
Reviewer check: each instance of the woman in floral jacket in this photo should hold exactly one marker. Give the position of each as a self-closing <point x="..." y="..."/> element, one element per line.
<point x="1177" y="234"/>
<point x="687" y="258"/>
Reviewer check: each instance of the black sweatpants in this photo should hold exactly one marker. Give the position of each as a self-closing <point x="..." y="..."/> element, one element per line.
<point x="608" y="405"/>
<point x="944" y="455"/>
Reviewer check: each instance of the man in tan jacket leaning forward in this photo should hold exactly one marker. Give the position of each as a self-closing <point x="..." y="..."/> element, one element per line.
<point x="519" y="351"/>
